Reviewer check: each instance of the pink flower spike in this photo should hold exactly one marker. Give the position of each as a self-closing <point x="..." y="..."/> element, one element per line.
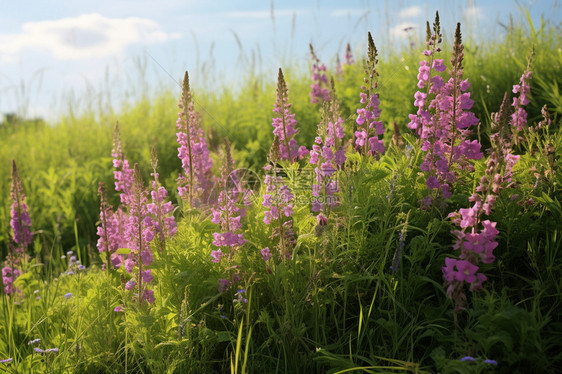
<point x="266" y="254"/>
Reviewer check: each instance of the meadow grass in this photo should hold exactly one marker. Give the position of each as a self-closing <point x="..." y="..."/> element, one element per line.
<point x="334" y="305"/>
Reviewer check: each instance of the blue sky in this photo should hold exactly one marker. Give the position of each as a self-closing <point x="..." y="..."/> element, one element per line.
<point x="59" y="53"/>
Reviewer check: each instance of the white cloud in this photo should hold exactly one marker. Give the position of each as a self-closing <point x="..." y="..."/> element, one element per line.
<point x="84" y="37"/>
<point x="403" y="30"/>
<point x="473" y="11"/>
<point x="410" y="12"/>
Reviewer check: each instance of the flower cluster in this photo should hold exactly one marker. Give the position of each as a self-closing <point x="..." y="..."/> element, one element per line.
<point x="284" y="124"/>
<point x="443" y="122"/>
<point x="369" y="128"/>
<point x="22" y="236"/>
<point x="318" y="90"/>
<point x="74" y="264"/>
<point x="328" y="155"/>
<point x="123" y="174"/>
<point x="347" y="60"/>
<point x="227" y="214"/>
<point x="134" y="224"/>
<point x="477" y="238"/>
<point x="139" y="231"/>
<point x="519" y="115"/>
<point x="9" y="275"/>
<point x="196" y="181"/>
<point x="109" y="232"/>
<point x="162" y="212"/>
<point x="278" y="200"/>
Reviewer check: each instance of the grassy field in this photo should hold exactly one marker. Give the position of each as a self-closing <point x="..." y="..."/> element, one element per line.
<point x="362" y="291"/>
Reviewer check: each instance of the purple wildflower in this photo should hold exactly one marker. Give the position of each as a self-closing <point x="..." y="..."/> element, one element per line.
<point x="139" y="229"/>
<point x="196" y="181"/>
<point x="123" y="174"/>
<point x="162" y="212"/>
<point x="519" y="115"/>
<point x="21" y="233"/>
<point x="278" y="201"/>
<point x="328" y="156"/>
<point x="369" y="128"/>
<point x="227" y="214"/>
<point x="265" y="254"/>
<point x="443" y="117"/>
<point x="348" y="57"/>
<point x="20" y="220"/>
<point x="319" y="92"/>
<point x="284" y="124"/>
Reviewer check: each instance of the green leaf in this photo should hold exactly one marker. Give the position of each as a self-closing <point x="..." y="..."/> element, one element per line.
<point x="123" y="251"/>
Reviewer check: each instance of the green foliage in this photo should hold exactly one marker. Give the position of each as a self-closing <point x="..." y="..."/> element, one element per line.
<point x="334" y="305"/>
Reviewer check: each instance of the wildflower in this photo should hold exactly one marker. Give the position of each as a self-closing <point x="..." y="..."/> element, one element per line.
<point x="265" y="254"/>
<point x="130" y="285"/>
<point x="240" y="297"/>
<point x="348" y="58"/>
<point x="6" y="361"/>
<point x="195" y="182"/>
<point x="227" y="214"/>
<point x="468" y="358"/>
<point x="123" y="174"/>
<point x="278" y="200"/>
<point x="216" y="255"/>
<point x="20" y="220"/>
<point x="224" y="284"/>
<point x="519" y="115"/>
<point x="118" y="308"/>
<point x="20" y="223"/>
<point x="369" y="126"/>
<point x="34" y="341"/>
<point x="162" y="212"/>
<point x="138" y="230"/>
<point x="328" y="156"/>
<point x="491" y="362"/>
<point x="319" y="93"/>
<point x="443" y="117"/>
<point x="284" y="124"/>
<point x="68" y="295"/>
